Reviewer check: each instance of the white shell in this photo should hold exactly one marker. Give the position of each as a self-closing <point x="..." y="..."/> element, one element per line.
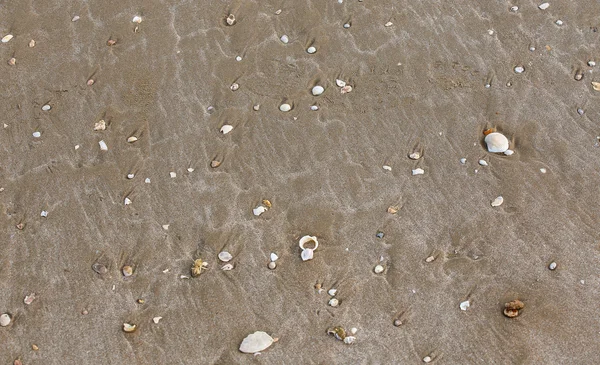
<point x="29" y="298"/>
<point x="311" y="50"/>
<point x="165" y="227"/>
<point x="552" y="266"/>
<point x="190" y="169"/>
<point x="137" y="19"/>
<point x="591" y="63"/>
<point x="318" y="90"/>
<point x="285" y="107"/>
<point x="259" y="210"/>
<point x="147" y="180"/>
<point x="226" y="128"/>
<point x="234" y="86"/>
<point x="465" y="305"/>
<point x="75" y="18"/>
<point x="378" y="269"/>
<point x="100" y="125"/>
<point x="332" y="292"/>
<point x="427" y="359"/>
<point x="353" y="330"/>
<point x="418" y="171"/>
<point x="225" y="256"/>
<point x="132" y="139"/>
<point x="334" y="302"/>
<point x="173" y="174"/>
<point x="37" y="134"/>
<point x="349" y="340"/>
<point x="44" y="214"/>
<point x="414" y="156"/>
<point x="156" y="319"/>
<point x="388" y="24"/>
<point x="544" y="6"/>
<point x="340" y="83"/>
<point x="238" y="58"/>
<point x="284" y="39"/>
<point x="127" y="201"/>
<point x="46" y="107"/>
<point x="346" y="89"/>
<point x="509" y="152"/>
<point x="307" y="239"/>
<point x="543" y="170"/>
<point x="386" y="167"/>
<point x="227" y="267"/>
<point x="483" y="162"/>
<point x="559" y="22"/>
<point x="307" y="254"/>
<point x="314" y="107"/>
<point x="103" y="146"/>
<point x="498" y="201"/>
<point x="274" y="256"/>
<point x="463" y="160"/>
<point x="4" y="320"/>
<point x="519" y="69"/>
<point x="7" y="38"/>
<point x="258" y="341"/>
<point x="496" y="142"/>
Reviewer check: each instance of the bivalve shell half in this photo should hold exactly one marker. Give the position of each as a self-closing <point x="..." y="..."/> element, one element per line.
<point x="256" y="342"/>
<point x="318" y="90"/>
<point x="225" y="256"/>
<point x="496" y="142"/>
<point x="7" y="38"/>
<point x="5" y="319"/>
<point x="285" y="107"/>
<point x="498" y="201"/>
<point x="226" y="128"/>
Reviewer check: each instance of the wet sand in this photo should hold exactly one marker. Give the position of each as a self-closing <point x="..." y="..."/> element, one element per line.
<point x="418" y="84"/>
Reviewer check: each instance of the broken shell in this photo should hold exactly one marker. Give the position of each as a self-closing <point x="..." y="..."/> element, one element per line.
<point x="337" y="332"/>
<point x="274" y="256"/>
<point x="29" y="298"/>
<point x="427" y="359"/>
<point x="256" y="107"/>
<point x="225" y="256"/>
<point x="129" y="328"/>
<point x="346" y="89"/>
<point x="75" y="18"/>
<point x="418" y="171"/>
<point x="37" y="134"/>
<point x="509" y="152"/>
<point x="430" y="259"/>
<point x="34" y="347"/>
<point x="378" y="269"/>
<point x="230" y="19"/>
<point x="137" y="19"/>
<point x="156" y="319"/>
<point x="172" y="174"/>
<point x="5" y="319"/>
<point x="130" y="176"/>
<point x="7" y="38"/>
<point x="100" y="125"/>
<point x="388" y="24"/>
<point x="127" y="270"/>
<point x="12" y="61"/>
<point x="306" y="239"/>
<point x="227" y="267"/>
<point x="314" y="107"/>
<point x="284" y="39"/>
<point x="272" y="265"/>
<point x="393" y="209"/>
<point x="340" y="83"/>
<point x="226" y="128"/>
<point x="285" y="107"/>
<point x="498" y="201"/>
<point x="465" y="305"/>
<point x="132" y="139"/>
<point x="214" y="164"/>
<point x="414" y="156"/>
<point x="317" y="90"/>
<point x="543" y="6"/>
<point x="307" y="254"/>
<point x="596" y="85"/>
<point x="266" y="203"/>
<point x="332" y="292"/>
<point x="46" y="107"/>
<point x="127" y="201"/>
<point x="259" y="210"/>
<point x="511" y="309"/>
<point x="31" y="43"/>
<point x="111" y="42"/>
<point x="99" y="268"/>
<point x="387" y="168"/>
<point x="234" y="86"/>
<point x="496" y="142"/>
<point x="103" y="146"/>
<point x="311" y="50"/>
<point x="483" y="162"/>
<point x="44" y="214"/>
<point x="255" y="342"/>
<point x="349" y="340"/>
<point x="333" y="302"/>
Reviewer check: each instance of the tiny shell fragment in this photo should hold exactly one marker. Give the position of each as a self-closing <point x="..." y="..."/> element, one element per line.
<point x="483" y="162"/>
<point x="307" y="254"/>
<point x="544" y="6"/>
<point x="259" y="210"/>
<point x="12" y="61"/>
<point x="29" y="298"/>
<point x="127" y="201"/>
<point x="596" y="85"/>
<point x="129" y="328"/>
<point x="46" y="107"/>
<point x="137" y="19"/>
<point x="156" y="319"/>
<point x="393" y="209"/>
<point x="255" y="342"/>
<point x="132" y="139"/>
<point x="388" y="24"/>
<point x="31" y="43"/>
<point x="230" y="19"/>
<point x="340" y="83"/>
<point x="333" y="302"/>
<point x="75" y="18"/>
<point x="214" y="164"/>
<point x="346" y="89"/>
<point x="418" y="171"/>
<point x="414" y="156"/>
<point x="100" y="125"/>
<point x="378" y="269"/>
<point x="103" y="146"/>
<point x="227" y="267"/>
<point x="7" y="38"/>
<point x="498" y="201"/>
<point x="465" y="305"/>
<point x="274" y="256"/>
<point x="226" y="128"/>
<point x="386" y="167"/>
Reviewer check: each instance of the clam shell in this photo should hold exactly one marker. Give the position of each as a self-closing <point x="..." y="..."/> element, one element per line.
<point x="496" y="142"/>
<point x="5" y="320"/>
<point x="256" y="342"/>
<point x="498" y="201"/>
<point x="334" y="302"/>
<point x="137" y="19"/>
<point x="46" y="107"/>
<point x="37" y="134"/>
<point x="132" y="139"/>
<point x="127" y="270"/>
<point x="226" y="128"/>
<point x="274" y="256"/>
<point x="311" y="50"/>
<point x="284" y="39"/>
<point x="285" y="107"/>
<point x="7" y="38"/>
<point x="225" y="256"/>
<point x="378" y="269"/>
<point x="318" y="90"/>
<point x="340" y="83"/>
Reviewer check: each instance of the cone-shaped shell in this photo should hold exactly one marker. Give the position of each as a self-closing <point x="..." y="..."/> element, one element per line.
<point x="496" y="142"/>
<point x="256" y="342"/>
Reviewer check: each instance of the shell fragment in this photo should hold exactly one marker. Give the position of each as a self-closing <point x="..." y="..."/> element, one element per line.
<point x="418" y="171"/>
<point x="103" y="145"/>
<point x="256" y="342"/>
<point x="7" y="38"/>
<point x="226" y="128"/>
<point x="465" y="305"/>
<point x="225" y="256"/>
<point x="259" y="210"/>
<point x="498" y="201"/>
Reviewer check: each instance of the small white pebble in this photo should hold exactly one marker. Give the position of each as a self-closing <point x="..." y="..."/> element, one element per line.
<point x="544" y="6"/>
<point x="418" y="171"/>
<point x="483" y="162"/>
<point x="147" y="181"/>
<point x="238" y="58"/>
<point x="463" y="160"/>
<point x="318" y="90"/>
<point x="173" y="174"/>
<point x="543" y="170"/>
<point x="5" y="319"/>
<point x="552" y="265"/>
<point x="284" y="39"/>
<point x="532" y="48"/>
<point x="427" y="359"/>
<point x="44" y="214"/>
<point x="285" y="107"/>
<point x="103" y="146"/>
<point x="387" y="168"/>
<point x="519" y="69"/>
<point x="465" y="305"/>
<point x="311" y="50"/>
<point x="37" y="134"/>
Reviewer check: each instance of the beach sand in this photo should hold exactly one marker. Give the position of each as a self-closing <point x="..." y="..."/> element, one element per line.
<point x="418" y="84"/>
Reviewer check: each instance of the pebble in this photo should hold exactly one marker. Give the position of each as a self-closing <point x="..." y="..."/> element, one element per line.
<point x="483" y="162"/>
<point x="99" y="268"/>
<point x="7" y="38"/>
<point x="498" y="201"/>
<point x="347" y="25"/>
<point x="100" y="125"/>
<point x="46" y="107"/>
<point x="465" y="305"/>
<point x="284" y="39"/>
<point x="519" y="69"/>
<point x="226" y="128"/>
<point x="225" y="256"/>
<point x="285" y="107"/>
<point x="37" y="134"/>
<point x="103" y="146"/>
<point x="544" y="6"/>
<point x="333" y="302"/>
<point x="318" y="90"/>
<point x="418" y="171"/>
<point x="387" y="168"/>
<point x="132" y="139"/>
<point x="127" y="270"/>
<point x="75" y="18"/>
<point x="214" y="164"/>
<point x="156" y="319"/>
<point x="5" y="319"/>
<point x="311" y="50"/>
<point x="314" y="108"/>
<point x="274" y="257"/>
<point x="552" y="266"/>
<point x="578" y="76"/>
<point x="378" y="269"/>
<point x="272" y="265"/>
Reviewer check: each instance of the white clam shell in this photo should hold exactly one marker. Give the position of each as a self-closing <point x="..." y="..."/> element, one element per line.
<point x="496" y="142"/>
<point x="483" y="162"/>
<point x="378" y="269"/>
<point x="307" y="254"/>
<point x="226" y="128"/>
<point x="285" y="107"/>
<point x="256" y="342"/>
<point x="311" y="50"/>
<point x="349" y="340"/>
<point x="498" y="201"/>
<point x="284" y="39"/>
<point x="259" y="210"/>
<point x="7" y="38"/>
<point x="318" y="90"/>
<point x="5" y="320"/>
<point x="340" y="83"/>
<point x="225" y="256"/>
<point x="332" y="292"/>
<point x="46" y="107"/>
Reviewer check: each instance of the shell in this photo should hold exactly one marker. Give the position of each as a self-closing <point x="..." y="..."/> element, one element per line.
<point x="465" y="305"/>
<point x="7" y="38"/>
<point x="99" y="268"/>
<point x="100" y="125"/>
<point x="334" y="302"/>
<point x="483" y="162"/>
<point x="230" y="19"/>
<point x="214" y="164"/>
<point x="496" y="142"/>
<point x="284" y="39"/>
<point x="225" y="256"/>
<point x="227" y="267"/>
<point x="378" y="269"/>
<point x="338" y="332"/>
<point x="46" y="107"/>
<point x="274" y="256"/>
<point x="509" y="152"/>
<point x="29" y="298"/>
<point x="127" y="270"/>
<point x="37" y="134"/>
<point x="129" y="328"/>
<point x="103" y="146"/>
<point x="349" y="340"/>
<point x="393" y="209"/>
<point x="137" y="19"/>
<point x="346" y="89"/>
<point x="387" y="168"/>
<point x="415" y="156"/>
<point x="156" y="319"/>
<point x="498" y="201"/>
<point x="307" y="254"/>
<point x="418" y="171"/>
<point x="272" y="265"/>
<point x="307" y="239"/>
<point x="332" y="292"/>
<point x="259" y="210"/>
<point x="127" y="201"/>
<point x="256" y="342"/>
<point x="226" y="128"/>
<point x="519" y="69"/>
<point x="340" y="83"/>
<point x="544" y="6"/>
<point x="318" y="90"/>
<point x="132" y="139"/>
<point x="5" y="319"/>
<point x="552" y="266"/>
<point x="388" y="24"/>
<point x="285" y="107"/>
<point x="311" y="50"/>
<point x="75" y="18"/>
<point x="31" y="43"/>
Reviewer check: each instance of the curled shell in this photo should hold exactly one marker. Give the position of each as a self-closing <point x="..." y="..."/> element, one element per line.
<point x="256" y="342"/>
<point x="306" y="239"/>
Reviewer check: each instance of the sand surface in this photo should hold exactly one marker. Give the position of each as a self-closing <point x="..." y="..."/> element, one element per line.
<point x="418" y="84"/>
